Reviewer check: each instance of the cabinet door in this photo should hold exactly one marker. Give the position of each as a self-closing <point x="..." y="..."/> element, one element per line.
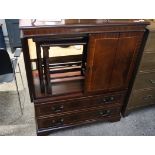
<point x="100" y="59"/>
<point x="125" y="58"/>
<point x="111" y="59"/>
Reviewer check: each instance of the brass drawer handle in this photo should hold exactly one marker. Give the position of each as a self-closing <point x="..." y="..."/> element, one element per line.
<point x="148" y="97"/>
<point x="58" y="122"/>
<point x="152" y="81"/>
<point x="112" y="98"/>
<point x="104" y="100"/>
<point x="104" y="113"/>
<point x="57" y="108"/>
<point x="108" y="99"/>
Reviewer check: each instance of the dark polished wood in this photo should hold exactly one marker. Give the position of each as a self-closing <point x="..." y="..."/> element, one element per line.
<point x="40" y="69"/>
<point x="123" y="54"/>
<point x="28" y="68"/>
<point x="100" y="60"/>
<point x="70" y="27"/>
<point x="54" y="107"/>
<point x="78" y="116"/>
<point x="46" y="68"/>
<point x="47" y="131"/>
<point x="84" y="88"/>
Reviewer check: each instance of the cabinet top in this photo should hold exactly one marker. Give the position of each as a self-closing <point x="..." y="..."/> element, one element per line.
<point x="33" y="27"/>
<point x="36" y="23"/>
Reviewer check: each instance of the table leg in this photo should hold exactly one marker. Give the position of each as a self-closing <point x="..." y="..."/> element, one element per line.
<point x="40" y="68"/>
<point x="46" y="69"/>
<point x="84" y="57"/>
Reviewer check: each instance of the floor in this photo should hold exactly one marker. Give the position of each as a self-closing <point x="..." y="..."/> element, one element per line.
<point x="12" y="123"/>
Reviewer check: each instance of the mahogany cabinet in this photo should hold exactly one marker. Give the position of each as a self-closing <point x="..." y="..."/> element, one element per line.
<point x="80" y="71"/>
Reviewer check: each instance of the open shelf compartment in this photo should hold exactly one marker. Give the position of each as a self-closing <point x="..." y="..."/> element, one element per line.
<point x="66" y="67"/>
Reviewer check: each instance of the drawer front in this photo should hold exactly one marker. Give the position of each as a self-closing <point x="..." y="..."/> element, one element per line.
<point x="77" y="118"/>
<point x="150" y="44"/>
<point x="141" y="98"/>
<point x="148" y="61"/>
<point x="145" y="80"/>
<point x="71" y="105"/>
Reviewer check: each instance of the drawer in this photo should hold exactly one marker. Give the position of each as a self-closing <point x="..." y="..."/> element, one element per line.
<point x="150" y="44"/>
<point x="145" y="80"/>
<point x="71" y="105"/>
<point x="141" y="98"/>
<point x="148" y="61"/>
<point x="78" y="117"/>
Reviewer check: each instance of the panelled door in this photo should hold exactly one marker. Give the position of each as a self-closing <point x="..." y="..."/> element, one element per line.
<point x="111" y="59"/>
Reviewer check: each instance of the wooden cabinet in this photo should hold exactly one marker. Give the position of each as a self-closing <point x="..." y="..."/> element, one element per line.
<point x="141" y="98"/>
<point x="80" y="73"/>
<point x="142" y="94"/>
